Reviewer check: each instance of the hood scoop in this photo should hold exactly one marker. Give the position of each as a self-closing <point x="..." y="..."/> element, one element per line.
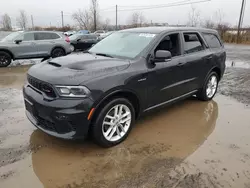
<point x="55" y="64"/>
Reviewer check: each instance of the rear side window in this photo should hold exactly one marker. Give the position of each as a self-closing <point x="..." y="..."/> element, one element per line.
<point x="84" y="37"/>
<point x="46" y="36"/>
<point x="192" y="43"/>
<point x="212" y="40"/>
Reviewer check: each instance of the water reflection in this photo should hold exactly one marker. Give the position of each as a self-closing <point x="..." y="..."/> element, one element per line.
<point x="162" y="139"/>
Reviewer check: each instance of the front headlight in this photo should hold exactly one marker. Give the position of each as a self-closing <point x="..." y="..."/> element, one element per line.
<point x="73" y="91"/>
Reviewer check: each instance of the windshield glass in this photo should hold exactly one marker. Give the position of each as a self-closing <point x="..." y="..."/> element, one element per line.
<point x="123" y="44"/>
<point x="11" y="37"/>
<point x="74" y="37"/>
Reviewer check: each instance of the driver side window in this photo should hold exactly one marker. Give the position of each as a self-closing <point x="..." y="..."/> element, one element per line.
<point x="170" y="43"/>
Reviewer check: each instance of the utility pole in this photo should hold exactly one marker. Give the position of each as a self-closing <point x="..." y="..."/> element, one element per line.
<point x="116" y="17"/>
<point x="32" y="22"/>
<point x="62" y="18"/>
<point x="240" y="20"/>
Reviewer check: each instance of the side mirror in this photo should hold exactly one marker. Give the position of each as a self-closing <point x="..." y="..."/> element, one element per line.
<point x="18" y="41"/>
<point x="78" y="40"/>
<point x="162" y="56"/>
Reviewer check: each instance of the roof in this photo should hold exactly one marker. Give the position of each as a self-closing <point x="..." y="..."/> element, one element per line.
<point x="157" y="30"/>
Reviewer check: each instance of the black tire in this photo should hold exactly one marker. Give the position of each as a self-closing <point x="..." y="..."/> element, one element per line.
<point x="57" y="52"/>
<point x="202" y="93"/>
<point x="5" y="59"/>
<point x="97" y="125"/>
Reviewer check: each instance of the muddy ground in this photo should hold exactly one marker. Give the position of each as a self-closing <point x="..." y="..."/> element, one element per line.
<point x="189" y="145"/>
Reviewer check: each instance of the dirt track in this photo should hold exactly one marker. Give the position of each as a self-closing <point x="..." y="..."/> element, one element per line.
<point x="189" y="145"/>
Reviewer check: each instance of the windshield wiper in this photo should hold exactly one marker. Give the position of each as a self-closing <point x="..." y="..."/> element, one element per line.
<point x="105" y="55"/>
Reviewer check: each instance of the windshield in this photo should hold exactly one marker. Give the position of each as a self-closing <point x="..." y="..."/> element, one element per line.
<point x="123" y="44"/>
<point x="74" y="37"/>
<point x="11" y="37"/>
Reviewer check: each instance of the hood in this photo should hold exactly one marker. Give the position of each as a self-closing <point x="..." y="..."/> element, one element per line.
<point x="76" y="69"/>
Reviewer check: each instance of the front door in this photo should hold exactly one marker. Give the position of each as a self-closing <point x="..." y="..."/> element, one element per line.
<point x="166" y="79"/>
<point x="27" y="48"/>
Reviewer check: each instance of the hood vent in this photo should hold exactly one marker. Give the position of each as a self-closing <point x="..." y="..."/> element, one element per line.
<point x="55" y="64"/>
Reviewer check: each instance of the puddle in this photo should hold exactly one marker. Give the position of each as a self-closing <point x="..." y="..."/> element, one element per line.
<point x="158" y="144"/>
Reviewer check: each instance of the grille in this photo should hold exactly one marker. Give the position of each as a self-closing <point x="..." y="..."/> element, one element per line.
<point x="41" y="86"/>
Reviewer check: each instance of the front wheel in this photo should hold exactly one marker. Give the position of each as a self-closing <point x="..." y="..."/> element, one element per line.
<point x="209" y="88"/>
<point x="5" y="59"/>
<point x="114" y="122"/>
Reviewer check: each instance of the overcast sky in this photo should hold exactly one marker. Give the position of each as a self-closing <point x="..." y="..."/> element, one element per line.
<point x="48" y="11"/>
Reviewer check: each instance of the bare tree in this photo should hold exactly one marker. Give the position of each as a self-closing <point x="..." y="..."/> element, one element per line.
<point x="94" y="12"/>
<point x="6" y="22"/>
<point x="83" y="19"/>
<point x="22" y="20"/>
<point x="106" y="24"/>
<point x="194" y="17"/>
<point x="219" y="15"/>
<point x="208" y="23"/>
<point x="137" y="19"/>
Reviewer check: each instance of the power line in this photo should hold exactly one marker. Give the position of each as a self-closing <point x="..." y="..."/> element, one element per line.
<point x="144" y="6"/>
<point x="170" y="5"/>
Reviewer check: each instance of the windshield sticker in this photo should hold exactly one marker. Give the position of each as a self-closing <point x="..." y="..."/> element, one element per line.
<point x="148" y="35"/>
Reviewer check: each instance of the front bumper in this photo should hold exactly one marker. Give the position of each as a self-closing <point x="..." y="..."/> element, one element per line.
<point x="63" y="118"/>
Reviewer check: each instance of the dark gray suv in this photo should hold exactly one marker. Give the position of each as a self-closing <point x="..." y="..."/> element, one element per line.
<point x="33" y="44"/>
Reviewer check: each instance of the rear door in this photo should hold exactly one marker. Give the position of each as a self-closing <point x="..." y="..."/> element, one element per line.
<point x="197" y="58"/>
<point x="45" y="42"/>
<point x="27" y="48"/>
<point x="217" y="48"/>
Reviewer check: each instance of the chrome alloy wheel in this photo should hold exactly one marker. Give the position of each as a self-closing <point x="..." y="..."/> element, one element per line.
<point x="116" y="123"/>
<point x="211" y="86"/>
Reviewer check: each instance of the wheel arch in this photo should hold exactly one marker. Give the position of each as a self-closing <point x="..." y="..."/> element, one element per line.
<point x="57" y="46"/>
<point x="8" y="51"/>
<point x="127" y="94"/>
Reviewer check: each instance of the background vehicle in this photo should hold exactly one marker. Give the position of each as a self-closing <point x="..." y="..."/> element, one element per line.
<point x="99" y="32"/>
<point x="83" y="32"/>
<point x="82" y="42"/>
<point x="69" y="33"/>
<point x="33" y="44"/>
<point x="131" y="72"/>
<point x="105" y="35"/>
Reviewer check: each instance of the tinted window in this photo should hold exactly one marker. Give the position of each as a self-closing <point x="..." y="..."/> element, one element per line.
<point x="212" y="40"/>
<point x="170" y="43"/>
<point x="192" y="43"/>
<point x="84" y="37"/>
<point x="28" y="36"/>
<point x="46" y="36"/>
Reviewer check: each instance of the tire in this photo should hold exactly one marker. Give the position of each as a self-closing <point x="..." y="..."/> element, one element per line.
<point x="99" y="128"/>
<point x="204" y="94"/>
<point x="5" y="59"/>
<point x="57" y="52"/>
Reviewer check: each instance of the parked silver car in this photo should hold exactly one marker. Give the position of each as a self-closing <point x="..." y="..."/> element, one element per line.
<point x="33" y="44"/>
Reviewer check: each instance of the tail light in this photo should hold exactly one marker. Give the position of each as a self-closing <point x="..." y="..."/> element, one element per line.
<point x="67" y="39"/>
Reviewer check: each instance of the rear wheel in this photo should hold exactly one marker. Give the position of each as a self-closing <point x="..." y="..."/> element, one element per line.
<point x="5" y="59"/>
<point x="209" y="88"/>
<point x="114" y="122"/>
<point x="57" y="52"/>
